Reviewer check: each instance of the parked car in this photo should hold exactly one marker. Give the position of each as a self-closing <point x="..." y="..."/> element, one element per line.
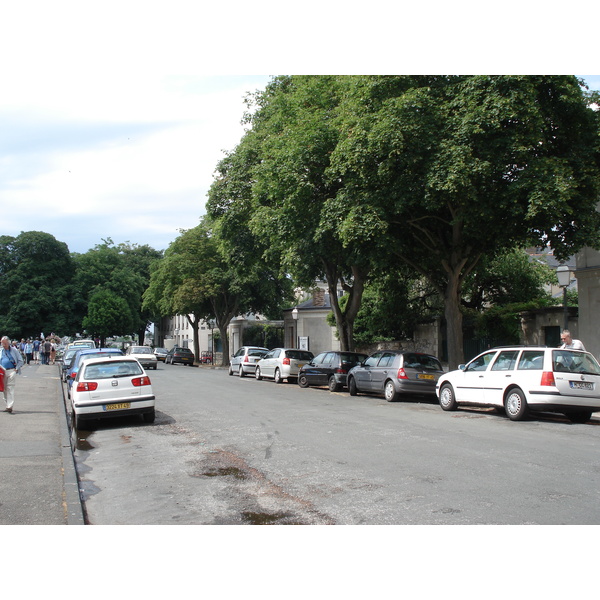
<point x="245" y="359"/>
<point x="396" y="373"/>
<point x="83" y="344"/>
<point x="67" y="359"/>
<point x="526" y="379"/>
<point x="144" y="354"/>
<point x="161" y="354"/>
<point x="180" y="355"/>
<point x="83" y="354"/>
<point x="206" y="357"/>
<point x="111" y="386"/>
<point x="330" y="369"/>
<point x="282" y="363"/>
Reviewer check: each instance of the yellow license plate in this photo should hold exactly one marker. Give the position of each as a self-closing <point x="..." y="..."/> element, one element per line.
<point x="120" y="406"/>
<point x="423" y="376"/>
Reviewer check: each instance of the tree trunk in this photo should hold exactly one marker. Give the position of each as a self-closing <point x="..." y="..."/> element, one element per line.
<point x="453" y="314"/>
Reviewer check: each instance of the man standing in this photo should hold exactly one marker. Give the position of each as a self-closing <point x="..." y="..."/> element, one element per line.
<point x="569" y="342"/>
<point x="11" y="362"/>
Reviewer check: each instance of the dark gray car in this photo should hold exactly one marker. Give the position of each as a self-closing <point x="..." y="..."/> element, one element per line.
<point x="394" y="373"/>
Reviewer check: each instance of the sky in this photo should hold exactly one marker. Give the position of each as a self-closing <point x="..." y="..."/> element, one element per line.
<point x="113" y="117"/>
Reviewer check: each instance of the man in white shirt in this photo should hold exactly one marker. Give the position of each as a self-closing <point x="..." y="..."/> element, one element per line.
<point x="569" y="342"/>
<point x="11" y="362"/>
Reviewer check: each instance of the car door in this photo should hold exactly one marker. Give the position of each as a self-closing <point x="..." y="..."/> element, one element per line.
<point x="499" y="376"/>
<point x="312" y="369"/>
<point x="380" y="372"/>
<point x="362" y="375"/>
<point x="470" y="384"/>
<point x="326" y="368"/>
<point x="270" y="362"/>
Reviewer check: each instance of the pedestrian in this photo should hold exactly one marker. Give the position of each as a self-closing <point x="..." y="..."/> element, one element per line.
<point x="36" y="350"/>
<point x="46" y="347"/>
<point x="52" y="352"/>
<point x="11" y="363"/>
<point x="28" y="351"/>
<point x="569" y="343"/>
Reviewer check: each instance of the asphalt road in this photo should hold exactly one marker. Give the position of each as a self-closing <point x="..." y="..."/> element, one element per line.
<point x="225" y="450"/>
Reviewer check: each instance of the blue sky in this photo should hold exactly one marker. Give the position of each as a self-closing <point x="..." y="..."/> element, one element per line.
<point x="113" y="120"/>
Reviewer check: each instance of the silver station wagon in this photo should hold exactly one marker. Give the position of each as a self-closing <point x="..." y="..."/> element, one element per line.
<point x="521" y="380"/>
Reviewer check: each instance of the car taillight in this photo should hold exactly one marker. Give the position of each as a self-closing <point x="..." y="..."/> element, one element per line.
<point x="246" y="359"/>
<point x="341" y="371"/>
<point x="140" y="381"/>
<point x="548" y="378"/>
<point x="402" y="374"/>
<point x="87" y="386"/>
<point x="286" y="361"/>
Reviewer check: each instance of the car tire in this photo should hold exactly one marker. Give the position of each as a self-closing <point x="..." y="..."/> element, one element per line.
<point x="241" y="372"/>
<point x="230" y="372"/>
<point x="149" y="417"/>
<point x="257" y="374"/>
<point x="352" y="389"/>
<point x="579" y="416"/>
<point x="333" y="385"/>
<point x="390" y="392"/>
<point x="447" y="397"/>
<point x="515" y="404"/>
<point x="303" y="381"/>
<point x="277" y="376"/>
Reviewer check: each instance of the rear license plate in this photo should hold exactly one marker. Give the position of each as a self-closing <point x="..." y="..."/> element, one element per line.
<point x="424" y="376"/>
<point x="581" y="385"/>
<point x="119" y="406"/>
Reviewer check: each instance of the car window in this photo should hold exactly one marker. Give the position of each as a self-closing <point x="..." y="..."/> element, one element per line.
<point x="505" y="361"/>
<point x="481" y="362"/>
<point x="299" y="355"/>
<point x="317" y="360"/>
<point x="386" y="360"/>
<point x="142" y="350"/>
<point x="574" y="362"/>
<point x="108" y="370"/>
<point x="256" y="352"/>
<point x="531" y="360"/>
<point x="373" y="359"/>
<point x="329" y="358"/>
<point x="349" y="358"/>
<point x="422" y="361"/>
<point x="240" y="352"/>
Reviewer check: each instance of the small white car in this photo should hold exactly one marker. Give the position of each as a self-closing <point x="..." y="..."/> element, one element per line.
<point x="113" y="386"/>
<point x="282" y="363"/>
<point x="244" y="361"/>
<point x="524" y="379"/>
<point x="144" y="354"/>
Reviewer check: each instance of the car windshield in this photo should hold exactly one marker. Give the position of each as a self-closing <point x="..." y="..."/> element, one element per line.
<point x="422" y="361"/>
<point x="352" y="359"/>
<point x="299" y="355"/>
<point x="141" y="350"/>
<point x="257" y="352"/>
<point x="116" y="368"/>
<point x="574" y="362"/>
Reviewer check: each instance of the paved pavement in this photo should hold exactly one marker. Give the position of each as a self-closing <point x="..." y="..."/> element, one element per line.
<point x="38" y="481"/>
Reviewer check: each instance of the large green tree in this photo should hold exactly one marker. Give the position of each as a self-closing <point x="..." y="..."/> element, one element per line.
<point x="276" y="184"/>
<point x="38" y="293"/>
<point x="457" y="168"/>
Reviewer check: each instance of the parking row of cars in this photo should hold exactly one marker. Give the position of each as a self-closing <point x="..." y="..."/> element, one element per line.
<point x="516" y="380"/>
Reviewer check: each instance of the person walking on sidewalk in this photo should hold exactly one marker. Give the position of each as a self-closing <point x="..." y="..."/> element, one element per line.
<point x="11" y="362"/>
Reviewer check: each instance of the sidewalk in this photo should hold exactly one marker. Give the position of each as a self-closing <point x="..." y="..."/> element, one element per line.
<point x="38" y="481"/>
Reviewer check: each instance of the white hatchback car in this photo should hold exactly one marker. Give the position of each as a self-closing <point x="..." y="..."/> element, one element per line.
<point x="523" y="379"/>
<point x="144" y="354"/>
<point x="113" y="386"/>
<point x="282" y="363"/>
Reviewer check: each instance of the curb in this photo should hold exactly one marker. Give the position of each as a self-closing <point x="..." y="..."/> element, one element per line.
<point x="72" y="498"/>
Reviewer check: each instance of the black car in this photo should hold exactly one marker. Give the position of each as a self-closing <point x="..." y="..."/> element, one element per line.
<point x="179" y="355"/>
<point x="330" y="369"/>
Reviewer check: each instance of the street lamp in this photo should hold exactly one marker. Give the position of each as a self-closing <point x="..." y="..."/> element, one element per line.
<point x="295" y="317"/>
<point x="564" y="279"/>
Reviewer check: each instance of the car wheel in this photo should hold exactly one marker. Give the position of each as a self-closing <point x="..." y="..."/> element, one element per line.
<point x="257" y="374"/>
<point x="579" y="416"/>
<point x="390" y="392"/>
<point x="149" y="417"/>
<point x="515" y="405"/>
<point x="241" y="371"/>
<point x="303" y="381"/>
<point x="447" y="399"/>
<point x="333" y="385"/>
<point x="352" y="389"/>
<point x="277" y="376"/>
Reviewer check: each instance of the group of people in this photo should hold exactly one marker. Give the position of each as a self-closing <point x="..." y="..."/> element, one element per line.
<point x="13" y="355"/>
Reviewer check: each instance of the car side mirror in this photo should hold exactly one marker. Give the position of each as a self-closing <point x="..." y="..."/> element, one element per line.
<point x="462" y="367"/>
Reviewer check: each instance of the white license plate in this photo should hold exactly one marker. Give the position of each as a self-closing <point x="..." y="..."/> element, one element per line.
<point x="581" y="385"/>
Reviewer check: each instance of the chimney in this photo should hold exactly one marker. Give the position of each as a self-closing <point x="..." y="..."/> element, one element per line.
<point x="318" y="297"/>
